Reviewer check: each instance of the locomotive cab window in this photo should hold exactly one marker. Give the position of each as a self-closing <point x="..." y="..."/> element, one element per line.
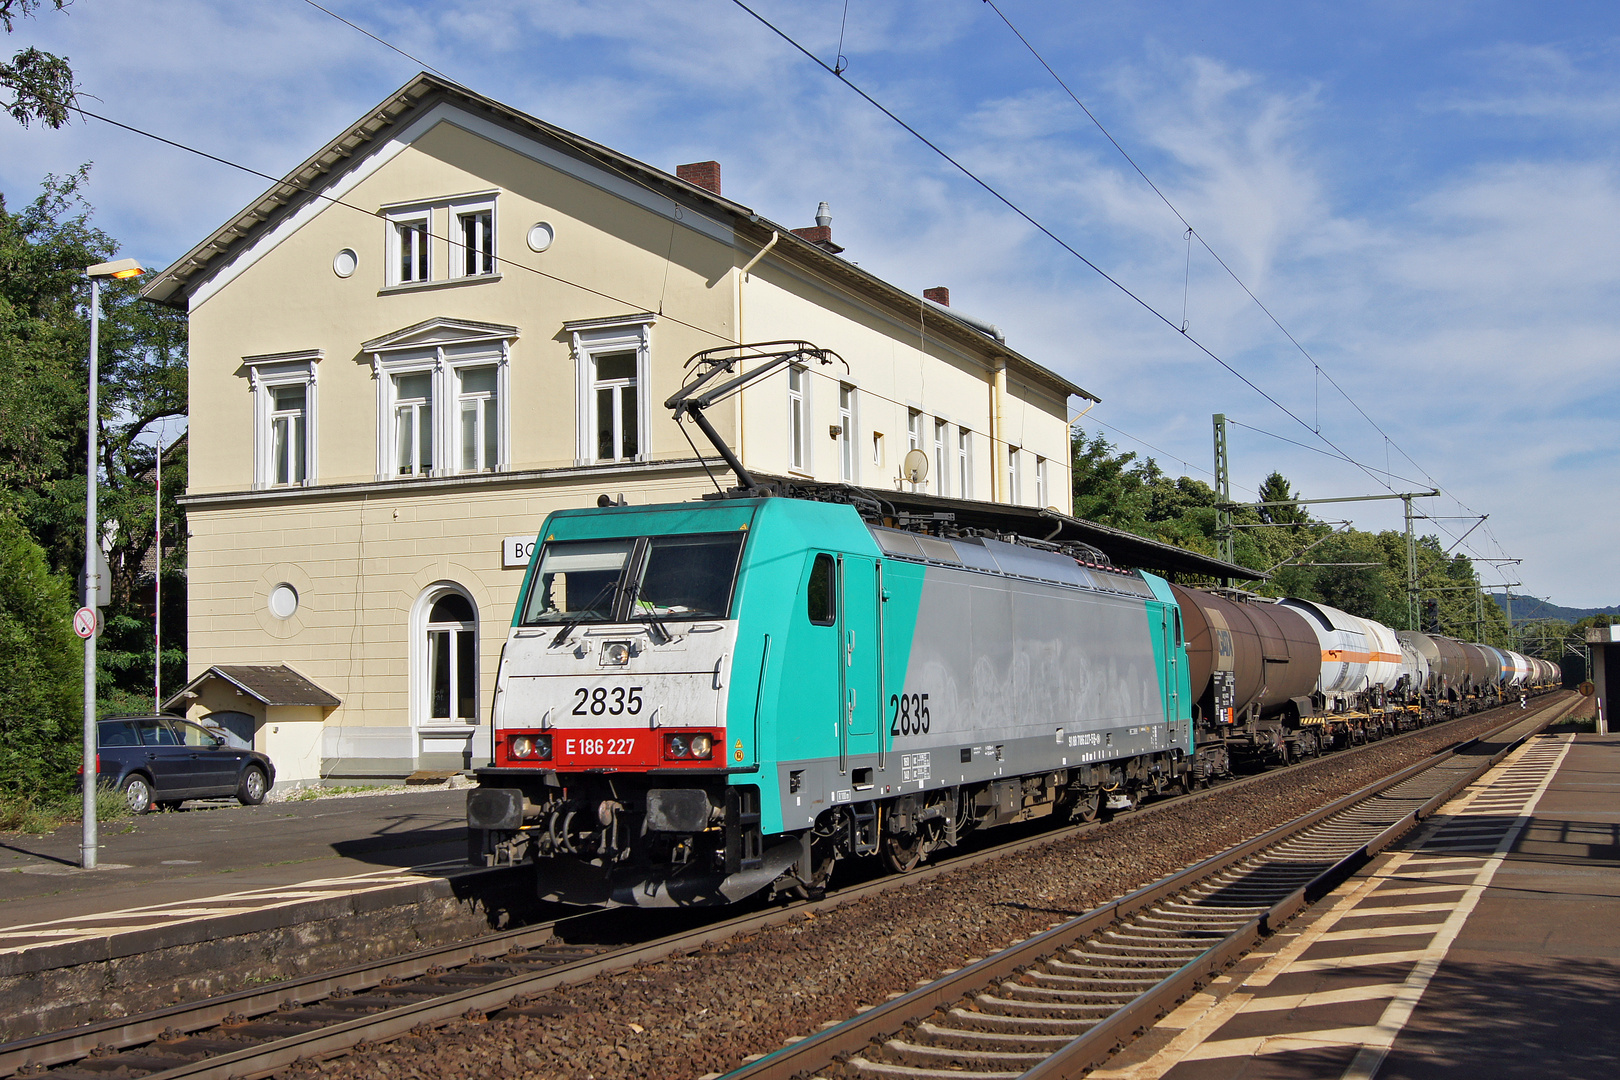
<point x="689" y="577"/>
<point x="576" y="581"/>
<point x="823" y="607"/>
<point x="661" y="577"/>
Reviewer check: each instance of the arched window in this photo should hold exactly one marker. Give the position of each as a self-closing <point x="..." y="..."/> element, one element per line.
<point x="452" y="661"/>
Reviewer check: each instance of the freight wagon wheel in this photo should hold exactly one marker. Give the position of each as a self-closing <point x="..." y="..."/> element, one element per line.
<point x="902" y="853"/>
<point x="1087" y="807"/>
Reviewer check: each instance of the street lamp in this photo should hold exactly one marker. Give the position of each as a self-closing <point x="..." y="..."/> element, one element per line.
<point x="93" y="586"/>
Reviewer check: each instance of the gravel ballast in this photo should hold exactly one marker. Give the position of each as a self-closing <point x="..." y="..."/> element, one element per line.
<point x="705" y="1012"/>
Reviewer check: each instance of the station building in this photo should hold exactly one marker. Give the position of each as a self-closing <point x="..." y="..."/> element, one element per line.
<point x="455" y="318"/>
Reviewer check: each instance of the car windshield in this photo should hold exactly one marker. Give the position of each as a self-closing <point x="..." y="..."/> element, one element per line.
<point x="677" y="577"/>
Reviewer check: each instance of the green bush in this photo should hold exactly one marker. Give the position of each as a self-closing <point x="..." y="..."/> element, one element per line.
<point x="41" y="673"/>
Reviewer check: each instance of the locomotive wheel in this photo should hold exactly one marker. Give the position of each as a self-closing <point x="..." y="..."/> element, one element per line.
<point x="902" y="852"/>
<point x="1086" y="808"/>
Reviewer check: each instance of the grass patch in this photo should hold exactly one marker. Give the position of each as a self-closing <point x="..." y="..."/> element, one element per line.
<point x="37" y="814"/>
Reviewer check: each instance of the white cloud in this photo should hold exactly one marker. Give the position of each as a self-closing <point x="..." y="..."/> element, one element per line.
<point x="1466" y="299"/>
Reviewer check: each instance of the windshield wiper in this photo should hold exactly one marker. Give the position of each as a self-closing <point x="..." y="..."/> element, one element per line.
<point x="568" y="627"/>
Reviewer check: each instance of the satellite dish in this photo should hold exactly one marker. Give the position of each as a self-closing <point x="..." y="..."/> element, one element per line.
<point x="915" y="467"/>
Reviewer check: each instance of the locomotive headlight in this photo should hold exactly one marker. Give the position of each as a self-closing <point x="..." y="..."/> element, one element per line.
<point x="676" y="747"/>
<point x="616" y="653"/>
<point x="529" y="748"/>
<point x="702" y="746"/>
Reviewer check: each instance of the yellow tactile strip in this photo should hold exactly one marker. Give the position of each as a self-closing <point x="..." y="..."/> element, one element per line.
<point x="1348" y="983"/>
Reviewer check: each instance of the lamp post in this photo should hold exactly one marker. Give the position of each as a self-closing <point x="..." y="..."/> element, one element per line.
<point x="94" y="588"/>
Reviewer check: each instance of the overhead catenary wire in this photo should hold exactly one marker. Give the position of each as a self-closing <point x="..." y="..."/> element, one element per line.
<point x="1318" y="371"/>
<point x="1192" y="231"/>
<point x="1065" y="245"/>
<point x="840" y="65"/>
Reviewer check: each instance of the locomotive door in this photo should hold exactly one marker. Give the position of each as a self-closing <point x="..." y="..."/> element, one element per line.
<point x="859" y="640"/>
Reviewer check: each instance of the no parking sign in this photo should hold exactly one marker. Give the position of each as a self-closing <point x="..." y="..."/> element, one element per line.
<point x="84" y="622"/>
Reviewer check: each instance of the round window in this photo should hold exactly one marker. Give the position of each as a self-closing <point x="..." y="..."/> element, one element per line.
<point x="283" y="601"/>
<point x="344" y="262"/>
<point x="540" y="236"/>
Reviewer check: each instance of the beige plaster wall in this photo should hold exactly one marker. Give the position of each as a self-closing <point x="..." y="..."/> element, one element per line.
<point x="290" y="299"/>
<point x="292" y="736"/>
<point x="896" y="366"/>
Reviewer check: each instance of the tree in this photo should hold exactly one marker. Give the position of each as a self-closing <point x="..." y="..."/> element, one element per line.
<point x="40" y="84"/>
<point x="43" y="676"/>
<point x="44" y="342"/>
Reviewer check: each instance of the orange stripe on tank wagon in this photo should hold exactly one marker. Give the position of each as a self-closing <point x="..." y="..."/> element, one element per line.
<point x="1346" y="656"/>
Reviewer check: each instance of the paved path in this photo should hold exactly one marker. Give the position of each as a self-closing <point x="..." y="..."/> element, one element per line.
<point x="1487" y="946"/>
<point x="179" y="858"/>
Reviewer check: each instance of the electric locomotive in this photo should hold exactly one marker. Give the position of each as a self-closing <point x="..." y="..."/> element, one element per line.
<point x="702" y="700"/>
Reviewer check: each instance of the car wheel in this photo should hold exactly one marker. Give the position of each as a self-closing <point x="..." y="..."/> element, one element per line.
<point x="251" y="791"/>
<point x="137" y="794"/>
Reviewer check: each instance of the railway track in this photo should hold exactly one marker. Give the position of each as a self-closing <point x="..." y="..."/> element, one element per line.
<point x="1062" y="1002"/>
<point x="255" y="1032"/>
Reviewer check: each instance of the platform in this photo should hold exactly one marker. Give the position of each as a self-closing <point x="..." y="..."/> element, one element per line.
<point x="1486" y="945"/>
<point x="212" y="898"/>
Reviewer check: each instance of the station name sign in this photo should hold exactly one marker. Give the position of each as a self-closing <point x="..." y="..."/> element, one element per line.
<point x="516" y="552"/>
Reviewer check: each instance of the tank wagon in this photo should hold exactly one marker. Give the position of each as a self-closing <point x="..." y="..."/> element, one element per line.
<point x="700" y="701"/>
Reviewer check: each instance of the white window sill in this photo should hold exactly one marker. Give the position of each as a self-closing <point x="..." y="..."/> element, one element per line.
<point x="448" y="283"/>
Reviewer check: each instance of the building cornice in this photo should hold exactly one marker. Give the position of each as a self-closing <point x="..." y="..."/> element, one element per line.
<point x="437" y="485"/>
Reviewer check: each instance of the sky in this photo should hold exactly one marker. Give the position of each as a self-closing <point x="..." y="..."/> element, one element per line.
<point x="1424" y="197"/>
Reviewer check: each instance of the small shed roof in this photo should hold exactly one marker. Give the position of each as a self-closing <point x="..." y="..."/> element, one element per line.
<point x="270" y="684"/>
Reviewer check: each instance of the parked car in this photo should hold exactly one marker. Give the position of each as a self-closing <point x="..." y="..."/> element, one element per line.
<point x="163" y="760"/>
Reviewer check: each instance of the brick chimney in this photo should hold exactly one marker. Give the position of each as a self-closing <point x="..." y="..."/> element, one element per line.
<point x="820" y="234"/>
<point x="939" y="294"/>
<point x="704" y="174"/>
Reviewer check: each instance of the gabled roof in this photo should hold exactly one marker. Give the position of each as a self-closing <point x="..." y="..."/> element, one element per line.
<point x="439" y="330"/>
<point x="307" y="182"/>
<point x="270" y="684"/>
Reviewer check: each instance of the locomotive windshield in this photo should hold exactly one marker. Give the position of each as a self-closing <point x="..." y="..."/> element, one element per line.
<point x="634" y="579"/>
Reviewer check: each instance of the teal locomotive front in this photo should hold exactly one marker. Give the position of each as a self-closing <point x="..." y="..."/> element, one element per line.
<point x="700" y="701"/>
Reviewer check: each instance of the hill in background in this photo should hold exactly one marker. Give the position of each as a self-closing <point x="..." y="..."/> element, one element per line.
<point x="1529" y="609"/>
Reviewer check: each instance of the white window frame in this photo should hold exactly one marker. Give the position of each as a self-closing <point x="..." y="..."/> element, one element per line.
<point x="444" y="362"/>
<point x="460" y="402"/>
<point x="458" y="249"/>
<point x="440" y="218"/>
<point x="596" y="338"/>
<point x="433" y="370"/>
<point x="942" y="463"/>
<point x="1042" y="496"/>
<point x="964" y="462"/>
<point x="913" y="429"/>
<point x="877" y="450"/>
<point x="276" y="370"/>
<point x="849" y="466"/>
<point x="1015" y="477"/>
<point x="398" y="219"/>
<point x="798" y="400"/>
<point x="421" y="674"/>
